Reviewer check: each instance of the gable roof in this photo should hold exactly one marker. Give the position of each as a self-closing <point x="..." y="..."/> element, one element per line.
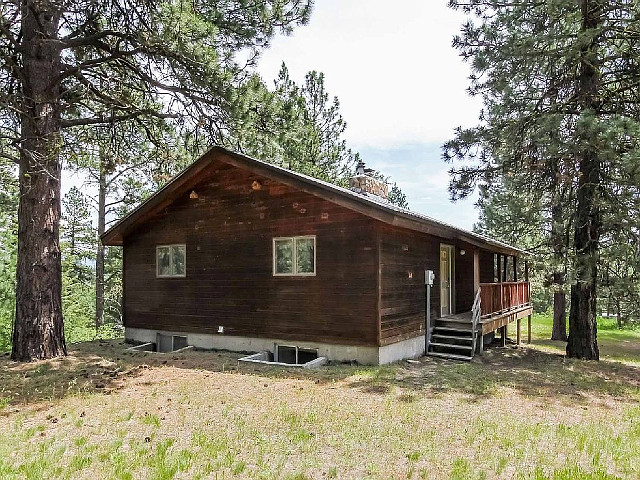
<point x="369" y="205"/>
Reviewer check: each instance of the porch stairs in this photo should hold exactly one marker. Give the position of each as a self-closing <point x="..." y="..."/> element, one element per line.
<point x="454" y="337"/>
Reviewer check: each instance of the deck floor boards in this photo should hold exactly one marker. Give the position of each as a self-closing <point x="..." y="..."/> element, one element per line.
<point x="494" y="322"/>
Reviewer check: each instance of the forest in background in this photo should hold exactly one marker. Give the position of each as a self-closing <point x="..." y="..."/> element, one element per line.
<point x="555" y="155"/>
<point x="298" y="127"/>
<point x="126" y="94"/>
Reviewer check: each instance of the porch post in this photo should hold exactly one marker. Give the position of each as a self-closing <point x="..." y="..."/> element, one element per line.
<point x="518" y="333"/>
<point x="476" y="271"/>
<point x="503" y="336"/>
<point x="529" y="329"/>
<point x="504" y="268"/>
<point x="515" y="269"/>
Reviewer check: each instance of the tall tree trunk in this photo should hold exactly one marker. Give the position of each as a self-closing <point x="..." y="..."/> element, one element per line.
<point x="582" y="341"/>
<point x="38" y="330"/>
<point x="100" y="251"/>
<point x="559" y="331"/>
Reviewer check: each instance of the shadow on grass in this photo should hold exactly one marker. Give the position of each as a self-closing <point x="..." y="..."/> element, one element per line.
<point x="622" y="349"/>
<point x="528" y="372"/>
<point x="106" y="366"/>
<point x="90" y="367"/>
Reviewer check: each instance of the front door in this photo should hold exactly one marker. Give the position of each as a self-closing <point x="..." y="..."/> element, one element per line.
<point x="445" y="279"/>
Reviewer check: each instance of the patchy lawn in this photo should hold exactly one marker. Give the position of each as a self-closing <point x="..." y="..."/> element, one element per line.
<point x="513" y="413"/>
<point x="614" y="344"/>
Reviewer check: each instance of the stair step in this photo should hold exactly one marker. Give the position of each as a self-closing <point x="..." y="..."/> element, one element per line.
<point x="454" y="319"/>
<point x="453" y="329"/>
<point x="453" y="337"/>
<point x="449" y="356"/>
<point x="450" y="345"/>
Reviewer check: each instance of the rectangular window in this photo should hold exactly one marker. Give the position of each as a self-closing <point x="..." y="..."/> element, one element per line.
<point x="294" y="256"/>
<point x="171" y="261"/>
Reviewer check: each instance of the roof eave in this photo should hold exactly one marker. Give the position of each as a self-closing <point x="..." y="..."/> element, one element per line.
<point x="405" y="219"/>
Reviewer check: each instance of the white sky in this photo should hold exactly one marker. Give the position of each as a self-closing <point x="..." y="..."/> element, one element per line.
<point x="402" y="89"/>
<point x="401" y="86"/>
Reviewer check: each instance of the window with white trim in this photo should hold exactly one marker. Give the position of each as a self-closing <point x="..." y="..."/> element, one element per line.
<point x="171" y="261"/>
<point x="294" y="256"/>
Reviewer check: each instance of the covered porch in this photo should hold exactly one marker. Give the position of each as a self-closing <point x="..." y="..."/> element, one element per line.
<point x="461" y="335"/>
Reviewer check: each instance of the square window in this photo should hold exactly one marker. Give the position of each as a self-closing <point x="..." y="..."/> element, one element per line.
<point x="178" y="266"/>
<point x="305" y="255"/>
<point x="171" y="261"/>
<point x="294" y="256"/>
<point x="283" y="256"/>
<point x="164" y="261"/>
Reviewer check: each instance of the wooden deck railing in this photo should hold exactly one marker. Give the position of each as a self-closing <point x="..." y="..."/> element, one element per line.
<point x="501" y="297"/>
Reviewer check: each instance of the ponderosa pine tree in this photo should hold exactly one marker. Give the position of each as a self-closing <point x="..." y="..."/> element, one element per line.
<point x="519" y="216"/>
<point x="559" y="81"/>
<point x="106" y="156"/>
<point x="298" y="127"/>
<point x="295" y="126"/>
<point x="8" y="244"/>
<point x="54" y="58"/>
<point x="77" y="235"/>
<point x="397" y="196"/>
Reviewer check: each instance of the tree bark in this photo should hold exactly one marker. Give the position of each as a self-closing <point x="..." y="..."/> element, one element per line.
<point x="38" y="330"/>
<point x="559" y="331"/>
<point x="582" y="342"/>
<point x="100" y="251"/>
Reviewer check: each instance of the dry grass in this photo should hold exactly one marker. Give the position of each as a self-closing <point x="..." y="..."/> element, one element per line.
<point x="515" y="413"/>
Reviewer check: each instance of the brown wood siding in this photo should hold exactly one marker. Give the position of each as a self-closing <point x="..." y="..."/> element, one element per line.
<point x="464" y="278"/>
<point x="405" y="254"/>
<point x="487" y="267"/>
<point x="228" y="232"/>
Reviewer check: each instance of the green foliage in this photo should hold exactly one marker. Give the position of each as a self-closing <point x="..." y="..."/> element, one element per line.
<point x="518" y="218"/>
<point x="78" y="304"/>
<point x="171" y="60"/>
<point x="397" y="197"/>
<point x="530" y="62"/>
<point x="133" y="65"/>
<point x="77" y="236"/>
<point x="298" y="127"/>
<point x="78" y="295"/>
<point x="143" y="95"/>
<point x="8" y="250"/>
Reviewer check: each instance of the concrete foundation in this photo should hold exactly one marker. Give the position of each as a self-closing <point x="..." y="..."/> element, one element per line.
<point x="263" y="358"/>
<point x="411" y="348"/>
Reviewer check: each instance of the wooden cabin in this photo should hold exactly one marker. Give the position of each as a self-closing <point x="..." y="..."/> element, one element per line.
<point x="238" y="254"/>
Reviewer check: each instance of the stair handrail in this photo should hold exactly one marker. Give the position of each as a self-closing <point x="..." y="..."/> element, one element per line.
<point x="476" y="312"/>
